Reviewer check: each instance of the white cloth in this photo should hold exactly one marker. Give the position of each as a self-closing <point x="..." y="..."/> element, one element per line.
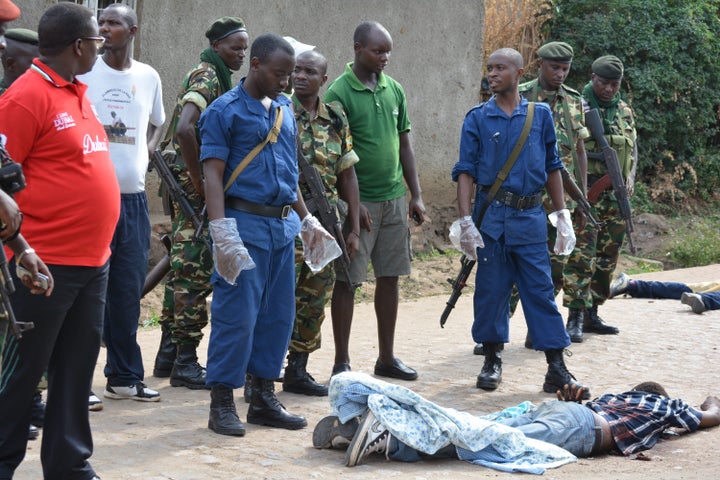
<point x="134" y="96"/>
<point x="428" y="427"/>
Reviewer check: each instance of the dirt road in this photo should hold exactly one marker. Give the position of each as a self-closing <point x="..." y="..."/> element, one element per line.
<point x="660" y="340"/>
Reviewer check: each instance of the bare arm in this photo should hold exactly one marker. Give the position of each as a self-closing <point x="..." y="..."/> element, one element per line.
<point x="299" y="205"/>
<point x="214" y="194"/>
<point x="189" y="145"/>
<point x="153" y="137"/>
<point x="555" y="189"/>
<point x="582" y="164"/>
<point x="407" y="160"/>
<point x="349" y="191"/>
<point x="465" y="190"/>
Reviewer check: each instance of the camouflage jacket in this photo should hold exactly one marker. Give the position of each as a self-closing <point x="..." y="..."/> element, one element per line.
<point x="565" y="133"/>
<point x="326" y="143"/>
<point x="200" y="87"/>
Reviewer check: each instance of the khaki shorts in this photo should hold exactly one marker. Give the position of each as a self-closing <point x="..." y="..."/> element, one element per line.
<point x="387" y="245"/>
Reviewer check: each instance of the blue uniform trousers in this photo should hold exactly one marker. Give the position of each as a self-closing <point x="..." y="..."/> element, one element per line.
<point x="251" y="322"/>
<point x="498" y="267"/>
<point x="128" y="265"/>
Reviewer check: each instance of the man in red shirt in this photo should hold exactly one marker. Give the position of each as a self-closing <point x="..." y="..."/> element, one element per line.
<point x="71" y="204"/>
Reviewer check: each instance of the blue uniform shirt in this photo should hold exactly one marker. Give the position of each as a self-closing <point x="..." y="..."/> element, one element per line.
<point x="488" y="136"/>
<point x="230" y="128"/>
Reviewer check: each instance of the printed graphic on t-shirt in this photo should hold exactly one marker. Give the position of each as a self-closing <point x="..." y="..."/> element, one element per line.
<point x="117" y="105"/>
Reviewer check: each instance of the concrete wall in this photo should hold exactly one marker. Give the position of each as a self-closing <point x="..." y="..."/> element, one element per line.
<point x="436" y="57"/>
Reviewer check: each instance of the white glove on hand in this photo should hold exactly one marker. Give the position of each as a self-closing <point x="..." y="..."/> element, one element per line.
<point x="319" y="247"/>
<point x="465" y="237"/>
<point x="229" y="253"/>
<point x="565" y="240"/>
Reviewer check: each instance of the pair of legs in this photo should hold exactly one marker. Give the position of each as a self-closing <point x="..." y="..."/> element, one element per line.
<point x="66" y="342"/>
<point x="387" y="245"/>
<point x="128" y="264"/>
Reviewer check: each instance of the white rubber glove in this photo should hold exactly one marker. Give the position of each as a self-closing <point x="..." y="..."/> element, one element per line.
<point x="465" y="237"/>
<point x="229" y="253"/>
<point x="565" y="240"/>
<point x="319" y="247"/>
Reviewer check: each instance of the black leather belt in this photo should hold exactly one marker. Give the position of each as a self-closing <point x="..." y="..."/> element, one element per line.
<point x="258" y="209"/>
<point x="514" y="200"/>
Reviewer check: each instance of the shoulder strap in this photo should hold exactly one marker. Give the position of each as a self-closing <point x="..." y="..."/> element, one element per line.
<point x="271" y="137"/>
<point x="502" y="175"/>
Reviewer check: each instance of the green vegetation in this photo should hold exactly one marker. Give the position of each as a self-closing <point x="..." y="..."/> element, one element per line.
<point x="151" y="320"/>
<point x="696" y="244"/>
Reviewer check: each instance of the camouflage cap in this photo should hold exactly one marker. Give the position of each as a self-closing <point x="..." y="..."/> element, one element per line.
<point x="557" y="51"/>
<point x="22" y="35"/>
<point x="224" y="27"/>
<point x="608" y="66"/>
<point x="8" y="11"/>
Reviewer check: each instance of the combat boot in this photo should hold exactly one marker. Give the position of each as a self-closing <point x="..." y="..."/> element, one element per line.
<point x="594" y="324"/>
<point x="558" y="376"/>
<point x="186" y="371"/>
<point x="266" y="409"/>
<point x="223" y="415"/>
<point x="298" y="380"/>
<point x="574" y="325"/>
<point x="247" y="389"/>
<point x="165" y="356"/>
<point x="491" y="373"/>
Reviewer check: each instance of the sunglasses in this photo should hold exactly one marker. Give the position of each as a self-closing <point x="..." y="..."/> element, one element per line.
<point x="99" y="41"/>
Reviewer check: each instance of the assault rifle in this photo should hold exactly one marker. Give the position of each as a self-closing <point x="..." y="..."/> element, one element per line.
<point x="180" y="197"/>
<point x="316" y="202"/>
<point x="457" y="285"/>
<point x="7" y="288"/>
<point x="576" y="194"/>
<point x="594" y="123"/>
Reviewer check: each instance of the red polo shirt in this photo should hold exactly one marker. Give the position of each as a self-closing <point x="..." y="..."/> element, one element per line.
<point x="72" y="200"/>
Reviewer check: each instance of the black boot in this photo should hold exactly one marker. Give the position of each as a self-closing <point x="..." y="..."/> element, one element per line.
<point x="574" y="325"/>
<point x="266" y="409"/>
<point x="491" y="373"/>
<point x="186" y="371"/>
<point x="558" y="375"/>
<point x="223" y="416"/>
<point x="165" y="356"/>
<point x="247" y="389"/>
<point x="298" y="380"/>
<point x="37" y="415"/>
<point x="595" y="324"/>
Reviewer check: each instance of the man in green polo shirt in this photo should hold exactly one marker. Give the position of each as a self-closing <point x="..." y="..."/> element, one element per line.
<point x="377" y="112"/>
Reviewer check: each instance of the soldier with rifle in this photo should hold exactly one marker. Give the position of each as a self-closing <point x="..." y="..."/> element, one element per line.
<point x="184" y="312"/>
<point x="326" y="160"/>
<point x="589" y="270"/>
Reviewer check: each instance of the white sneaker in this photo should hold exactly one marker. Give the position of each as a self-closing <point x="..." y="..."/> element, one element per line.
<point x="619" y="285"/>
<point x="371" y="436"/>
<point x="137" y="392"/>
<point x="94" y="403"/>
<point x="694" y="300"/>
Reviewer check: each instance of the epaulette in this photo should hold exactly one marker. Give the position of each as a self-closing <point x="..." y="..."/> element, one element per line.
<point x="476" y="107"/>
<point x="571" y="90"/>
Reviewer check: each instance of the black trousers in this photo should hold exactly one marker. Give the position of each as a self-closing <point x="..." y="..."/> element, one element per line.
<point x="66" y="341"/>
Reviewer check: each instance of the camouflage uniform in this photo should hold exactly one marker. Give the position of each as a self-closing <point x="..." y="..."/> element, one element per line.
<point x="567" y="138"/>
<point x="327" y="145"/>
<point x="184" y="307"/>
<point x="592" y="263"/>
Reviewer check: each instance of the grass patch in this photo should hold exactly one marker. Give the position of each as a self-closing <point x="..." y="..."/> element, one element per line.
<point x="697" y="243"/>
<point x="151" y="320"/>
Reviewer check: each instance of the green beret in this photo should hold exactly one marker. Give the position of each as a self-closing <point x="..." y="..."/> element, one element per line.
<point x="608" y="66"/>
<point x="22" y="35"/>
<point x="558" y="51"/>
<point x="224" y="27"/>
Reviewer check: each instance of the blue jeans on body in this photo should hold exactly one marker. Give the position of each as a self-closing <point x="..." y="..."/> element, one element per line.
<point x="128" y="266"/>
<point x="644" y="289"/>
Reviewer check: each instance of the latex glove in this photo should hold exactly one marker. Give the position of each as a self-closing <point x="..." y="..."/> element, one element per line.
<point x="229" y="253"/>
<point x="565" y="241"/>
<point x="465" y="237"/>
<point x="319" y="247"/>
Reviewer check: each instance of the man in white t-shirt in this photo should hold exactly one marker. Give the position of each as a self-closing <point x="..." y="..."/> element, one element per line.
<point x="128" y="100"/>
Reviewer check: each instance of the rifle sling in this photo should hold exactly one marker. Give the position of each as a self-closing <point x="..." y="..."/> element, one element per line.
<point x="502" y="175"/>
<point x="271" y="137"/>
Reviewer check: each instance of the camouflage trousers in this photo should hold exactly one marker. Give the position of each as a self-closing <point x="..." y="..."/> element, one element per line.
<point x="312" y="293"/>
<point x="184" y="312"/>
<point x="590" y="267"/>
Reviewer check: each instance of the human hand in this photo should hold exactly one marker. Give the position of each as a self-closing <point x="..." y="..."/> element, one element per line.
<point x="229" y="253"/>
<point x="417" y="210"/>
<point x="352" y="243"/>
<point x="319" y="247"/>
<point x="34" y="265"/>
<point x="365" y="218"/>
<point x="465" y="236"/>
<point x="579" y="218"/>
<point x="571" y="393"/>
<point x="565" y="240"/>
<point x="710" y="403"/>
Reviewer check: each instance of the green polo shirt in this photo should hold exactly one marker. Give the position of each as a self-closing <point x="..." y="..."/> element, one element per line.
<point x="377" y="118"/>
